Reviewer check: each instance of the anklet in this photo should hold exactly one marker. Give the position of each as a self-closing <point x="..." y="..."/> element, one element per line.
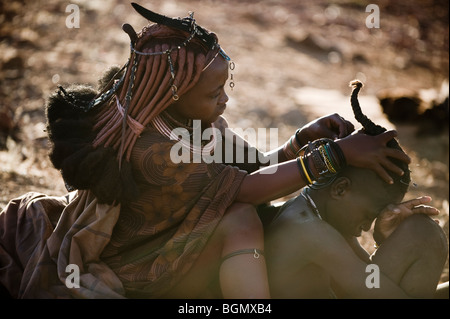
<point x="256" y="253"/>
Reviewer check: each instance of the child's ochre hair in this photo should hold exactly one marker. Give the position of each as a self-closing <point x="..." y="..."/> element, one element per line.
<point x="401" y="183"/>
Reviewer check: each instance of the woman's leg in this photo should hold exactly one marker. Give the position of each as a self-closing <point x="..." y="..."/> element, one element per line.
<point x="243" y="271"/>
<point x="241" y="275"/>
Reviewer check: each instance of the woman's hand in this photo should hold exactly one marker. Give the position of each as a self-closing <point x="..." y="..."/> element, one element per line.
<point x="331" y="126"/>
<point x="393" y="215"/>
<point x="365" y="151"/>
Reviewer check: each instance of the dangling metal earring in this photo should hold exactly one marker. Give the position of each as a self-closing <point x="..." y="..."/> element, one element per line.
<point x="232" y="66"/>
<point x="231" y="82"/>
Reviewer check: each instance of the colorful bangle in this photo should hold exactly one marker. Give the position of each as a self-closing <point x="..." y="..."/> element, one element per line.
<point x="292" y="147"/>
<point x="300" y="169"/>
<point x="304" y="170"/>
<point x="317" y="160"/>
<point x="326" y="159"/>
<point x="294" y="151"/>
<point x="297" y="138"/>
<point x="332" y="156"/>
<point x="287" y="150"/>
<point x="339" y="154"/>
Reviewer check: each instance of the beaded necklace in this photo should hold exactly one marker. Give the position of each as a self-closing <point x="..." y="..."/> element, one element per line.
<point x="166" y="125"/>
<point x="311" y="203"/>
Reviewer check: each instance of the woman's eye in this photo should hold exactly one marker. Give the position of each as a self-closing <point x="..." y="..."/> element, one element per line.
<point x="215" y="96"/>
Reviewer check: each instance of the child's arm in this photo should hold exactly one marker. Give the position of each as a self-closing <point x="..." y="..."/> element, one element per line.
<point x="393" y="215"/>
<point x="358" y="249"/>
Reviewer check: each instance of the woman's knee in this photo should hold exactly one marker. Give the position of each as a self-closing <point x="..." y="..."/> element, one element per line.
<point x="242" y="220"/>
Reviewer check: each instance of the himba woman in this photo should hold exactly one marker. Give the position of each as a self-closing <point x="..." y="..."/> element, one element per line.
<point x="138" y="224"/>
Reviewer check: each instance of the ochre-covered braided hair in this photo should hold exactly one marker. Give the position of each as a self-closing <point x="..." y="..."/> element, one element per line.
<point x="370" y="128"/>
<point x="152" y="91"/>
<point x="92" y="147"/>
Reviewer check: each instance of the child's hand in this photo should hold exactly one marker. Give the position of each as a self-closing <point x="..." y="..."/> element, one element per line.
<point x="371" y="152"/>
<point x="393" y="215"/>
<point x="331" y="126"/>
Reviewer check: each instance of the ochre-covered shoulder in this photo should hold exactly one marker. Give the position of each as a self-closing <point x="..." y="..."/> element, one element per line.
<point x="156" y="160"/>
<point x="151" y="159"/>
<point x="298" y="223"/>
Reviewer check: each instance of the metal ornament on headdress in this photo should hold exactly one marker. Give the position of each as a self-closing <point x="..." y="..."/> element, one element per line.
<point x="188" y="25"/>
<point x="87" y="106"/>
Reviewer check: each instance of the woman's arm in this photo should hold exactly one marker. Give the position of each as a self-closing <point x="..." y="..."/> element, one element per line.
<point x="270" y="183"/>
<point x="282" y="179"/>
<point x="331" y="126"/>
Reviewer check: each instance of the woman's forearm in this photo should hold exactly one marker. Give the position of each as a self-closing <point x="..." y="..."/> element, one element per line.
<point x="270" y="183"/>
<point x="274" y="156"/>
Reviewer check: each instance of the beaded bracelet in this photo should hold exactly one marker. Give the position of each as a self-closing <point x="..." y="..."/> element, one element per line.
<point x="292" y="147"/>
<point x="308" y="168"/>
<point x="327" y="159"/>
<point x="302" y="170"/>
<point x="339" y="154"/>
<point x="297" y="139"/>
<point x="331" y="154"/>
<point x="317" y="160"/>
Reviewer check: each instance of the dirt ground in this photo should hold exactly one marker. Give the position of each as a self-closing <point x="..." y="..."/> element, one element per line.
<point x="294" y="60"/>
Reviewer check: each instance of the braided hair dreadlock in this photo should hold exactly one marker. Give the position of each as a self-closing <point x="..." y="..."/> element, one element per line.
<point x="370" y="128"/>
<point x="401" y="183"/>
<point x="71" y="133"/>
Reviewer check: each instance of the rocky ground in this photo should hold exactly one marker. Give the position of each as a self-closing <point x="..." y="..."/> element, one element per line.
<point x="293" y="59"/>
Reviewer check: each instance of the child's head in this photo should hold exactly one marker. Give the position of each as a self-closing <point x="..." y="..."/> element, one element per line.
<point x="355" y="196"/>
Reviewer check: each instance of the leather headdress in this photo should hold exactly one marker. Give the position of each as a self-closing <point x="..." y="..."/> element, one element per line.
<point x="186" y="24"/>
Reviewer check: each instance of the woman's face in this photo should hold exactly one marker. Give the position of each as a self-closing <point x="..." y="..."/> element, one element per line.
<point x="206" y="101"/>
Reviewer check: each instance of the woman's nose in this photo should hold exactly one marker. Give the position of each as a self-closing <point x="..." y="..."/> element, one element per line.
<point x="224" y="98"/>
